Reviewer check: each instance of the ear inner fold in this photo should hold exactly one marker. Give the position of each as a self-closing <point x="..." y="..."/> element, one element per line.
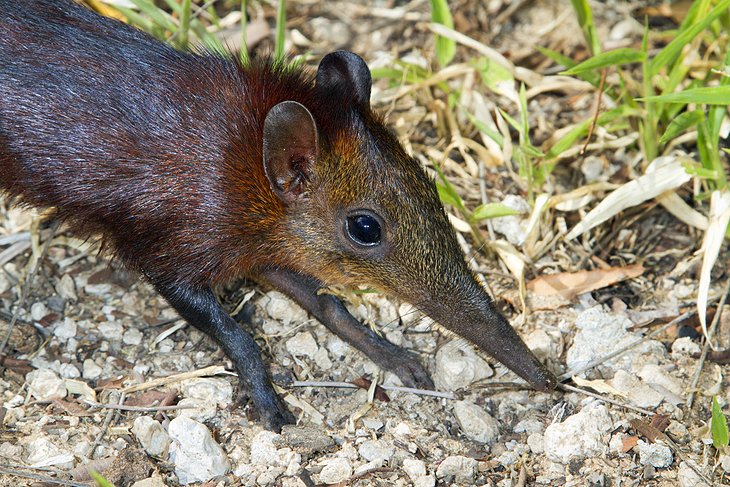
<point x="290" y="149"/>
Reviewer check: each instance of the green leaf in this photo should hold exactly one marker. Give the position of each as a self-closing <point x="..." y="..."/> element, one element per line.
<point x="667" y="55"/>
<point x="698" y="171"/>
<point x="492" y="74"/>
<point x="447" y="192"/>
<point x="99" y="479"/>
<point x="483" y="127"/>
<point x="708" y="95"/>
<point x="681" y="123"/>
<point x="445" y="47"/>
<point x="492" y="210"/>
<point x="585" y="20"/>
<point x="719" y="426"/>
<point x="280" y="32"/>
<point x="625" y="55"/>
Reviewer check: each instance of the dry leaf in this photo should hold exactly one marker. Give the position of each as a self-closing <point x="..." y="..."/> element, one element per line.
<point x="599" y="385"/>
<point x="628" y="442"/>
<point x="571" y="284"/>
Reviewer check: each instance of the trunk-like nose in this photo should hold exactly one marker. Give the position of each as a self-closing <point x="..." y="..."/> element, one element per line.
<point x="485" y="327"/>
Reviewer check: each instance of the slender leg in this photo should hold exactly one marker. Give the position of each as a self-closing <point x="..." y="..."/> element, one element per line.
<point x="201" y="309"/>
<point x="332" y="313"/>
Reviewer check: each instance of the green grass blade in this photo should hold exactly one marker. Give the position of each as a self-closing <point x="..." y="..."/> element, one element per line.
<point x="99" y="479"/>
<point x="158" y="16"/>
<point x="184" y="29"/>
<point x="719" y="426"/>
<point x="447" y="192"/>
<point x="243" y="53"/>
<point x="585" y="20"/>
<point x="280" y="32"/>
<point x="484" y="128"/>
<point x="617" y="57"/>
<point x="667" y="55"/>
<point x="492" y="210"/>
<point x="707" y="95"/>
<point x="681" y="123"/>
<point x="570" y="138"/>
<point x="445" y="48"/>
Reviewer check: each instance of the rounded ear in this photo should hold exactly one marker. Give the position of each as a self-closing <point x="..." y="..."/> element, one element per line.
<point x="347" y="73"/>
<point x="290" y="149"/>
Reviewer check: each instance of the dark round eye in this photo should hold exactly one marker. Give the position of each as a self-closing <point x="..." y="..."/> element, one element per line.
<point x="363" y="229"/>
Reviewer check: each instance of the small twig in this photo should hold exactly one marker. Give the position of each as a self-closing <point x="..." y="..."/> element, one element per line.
<point x="205" y="372"/>
<point x="570" y="388"/>
<point x="626" y="348"/>
<point x="706" y="347"/>
<point x="40" y="478"/>
<point x="104" y="427"/>
<point x="27" y="284"/>
<point x="348" y="385"/>
<point x="594" y="122"/>
<point x="140" y="409"/>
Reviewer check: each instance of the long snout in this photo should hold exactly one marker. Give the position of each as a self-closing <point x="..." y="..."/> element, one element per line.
<point x="485" y="327"/>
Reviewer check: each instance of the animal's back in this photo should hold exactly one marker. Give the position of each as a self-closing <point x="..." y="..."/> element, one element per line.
<point x="127" y="137"/>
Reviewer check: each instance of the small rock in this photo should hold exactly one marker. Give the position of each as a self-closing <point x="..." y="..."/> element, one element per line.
<point x="154" y="481"/>
<point x="152" y="436"/>
<point x="678" y="432"/>
<point x="638" y="393"/>
<point x="372" y="450"/>
<point x="132" y="337"/>
<point x="655" y="454"/>
<point x="653" y="374"/>
<point x="456" y="468"/>
<point x="211" y="390"/>
<point x="688" y="477"/>
<point x="65" y="329"/>
<point x="425" y="481"/>
<point x="322" y="359"/>
<point x="283" y="309"/>
<point x="196" y="455"/>
<point x="45" y="385"/>
<point x="101" y="289"/>
<point x="367" y="467"/>
<point x="579" y="436"/>
<point x="91" y="371"/>
<point x="477" y="424"/>
<point x="457" y="366"/>
<point x="69" y="371"/>
<point x="684" y="347"/>
<point x="38" y="311"/>
<point x="43" y="453"/>
<point x="600" y="333"/>
<point x="372" y="423"/>
<point x="513" y="227"/>
<point x="111" y="330"/>
<point x="529" y="425"/>
<point x="66" y="288"/>
<point x="265" y="452"/>
<point x="536" y="442"/>
<point x="302" y="344"/>
<point x="414" y="468"/>
<point x="306" y="439"/>
<point x="335" y="471"/>
<point x="542" y="345"/>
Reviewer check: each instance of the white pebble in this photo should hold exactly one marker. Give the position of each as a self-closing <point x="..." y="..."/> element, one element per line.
<point x="38" y="311"/>
<point x="210" y="390"/>
<point x="194" y="452"/>
<point x="654" y="374"/>
<point x="458" y="366"/>
<point x="372" y="450"/>
<point x="457" y="469"/>
<point x="111" y="330"/>
<point x="688" y="477"/>
<point x="283" y="309"/>
<point x="132" y="337"/>
<point x="302" y="344"/>
<point x="684" y="346"/>
<point x="69" y="371"/>
<point x="90" y="370"/>
<point x="335" y="471"/>
<point x="638" y="393"/>
<point x="414" y="468"/>
<point x="655" y="454"/>
<point x="66" y="288"/>
<point x="65" y="329"/>
<point x="579" y="436"/>
<point x="477" y="424"/>
<point x="536" y="442"/>
<point x="152" y="436"/>
<point x="45" y="385"/>
<point x="42" y="452"/>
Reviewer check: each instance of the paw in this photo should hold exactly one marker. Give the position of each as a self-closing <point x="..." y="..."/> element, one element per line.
<point x="411" y="372"/>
